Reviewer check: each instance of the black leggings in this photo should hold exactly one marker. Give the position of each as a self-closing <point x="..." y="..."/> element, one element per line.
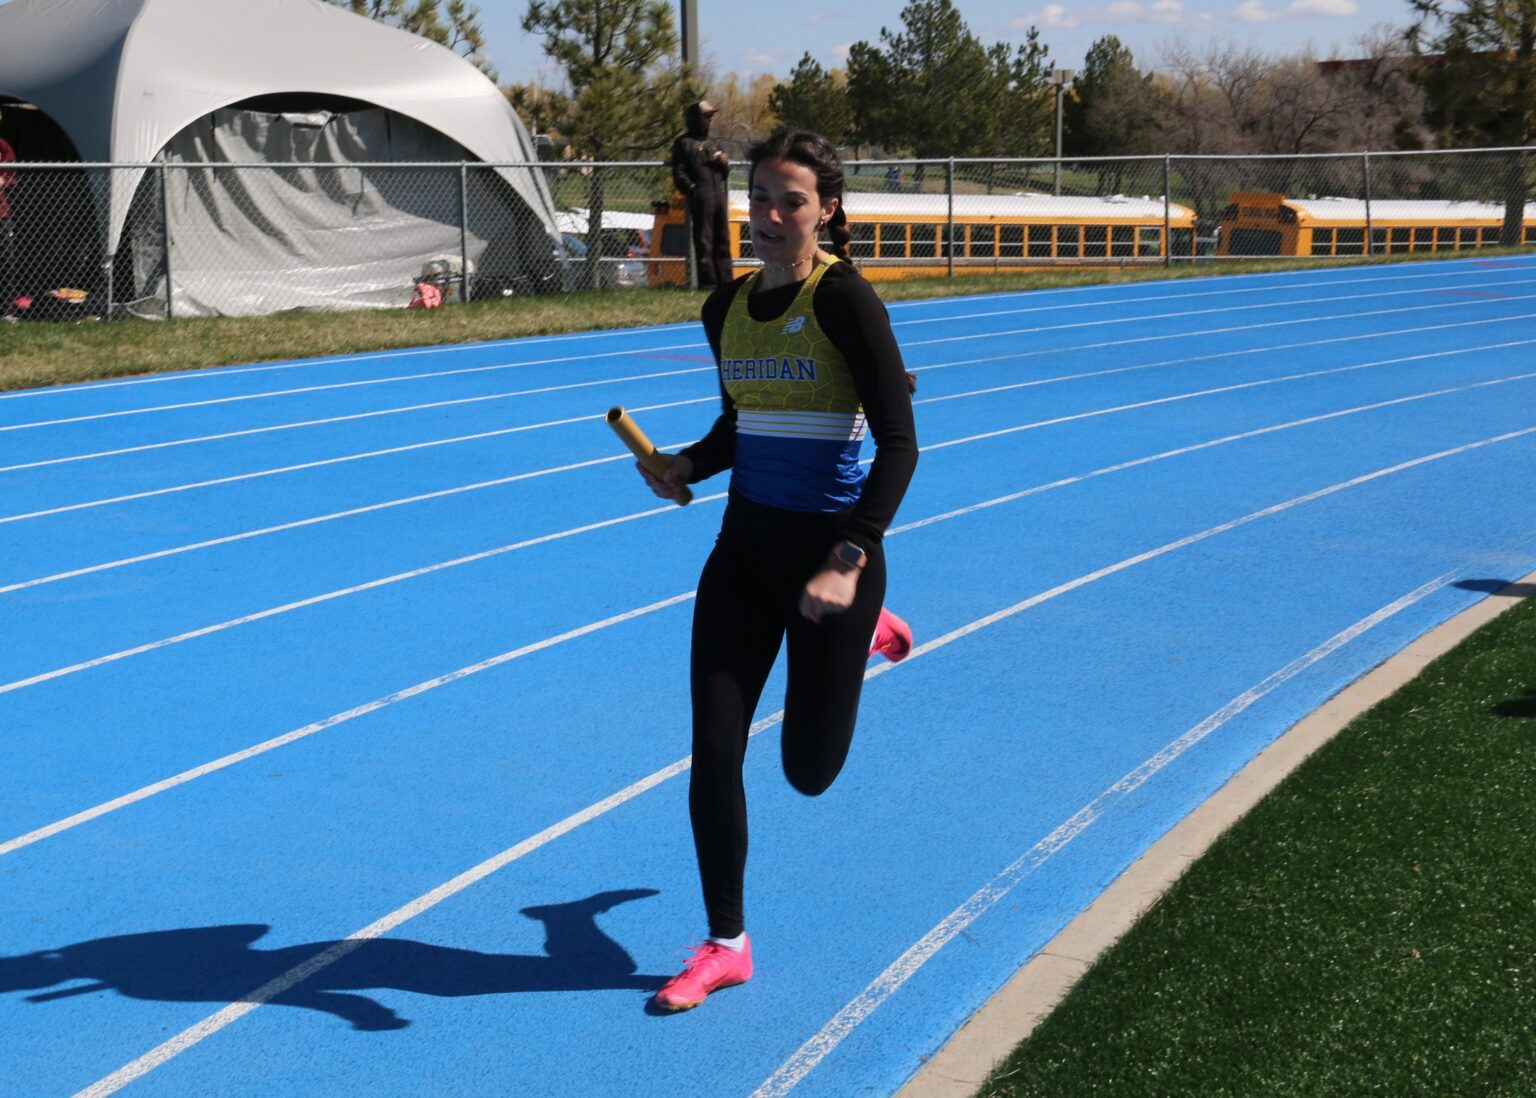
<point x="748" y="601"/>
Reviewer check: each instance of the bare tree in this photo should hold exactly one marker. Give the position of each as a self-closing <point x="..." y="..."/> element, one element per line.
<point x="1384" y="103"/>
<point x="1299" y="108"/>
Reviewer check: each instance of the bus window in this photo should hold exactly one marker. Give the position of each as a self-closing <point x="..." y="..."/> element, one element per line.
<point x="1530" y="234"/>
<point x="1378" y="240"/>
<point x="893" y="242"/>
<point x="863" y="243"/>
<point x="948" y="247"/>
<point x="744" y="250"/>
<point x="1095" y="240"/>
<point x="1322" y="241"/>
<point x="1400" y="240"/>
<point x="924" y="241"/>
<point x="674" y="239"/>
<point x="1040" y="241"/>
<point x="1261" y="242"/>
<point x="1350" y="242"/>
<point x="1122" y="240"/>
<point x="1068" y="240"/>
<point x="1010" y="240"/>
<point x="1149" y="240"/>
<point x="983" y="240"/>
<point x="1423" y="238"/>
<point x="1466" y="238"/>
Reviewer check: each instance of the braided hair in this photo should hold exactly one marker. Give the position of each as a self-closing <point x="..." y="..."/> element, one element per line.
<point x="815" y="152"/>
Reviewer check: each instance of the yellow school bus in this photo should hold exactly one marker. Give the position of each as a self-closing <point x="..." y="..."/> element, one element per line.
<point x="1266" y="224"/>
<point x="908" y="235"/>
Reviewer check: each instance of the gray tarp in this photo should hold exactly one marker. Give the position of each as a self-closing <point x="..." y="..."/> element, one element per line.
<point x="343" y="231"/>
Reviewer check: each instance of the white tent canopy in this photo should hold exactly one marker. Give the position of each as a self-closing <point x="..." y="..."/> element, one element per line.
<point x="124" y="78"/>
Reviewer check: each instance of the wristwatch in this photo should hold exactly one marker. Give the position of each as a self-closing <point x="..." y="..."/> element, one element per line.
<point x="845" y="552"/>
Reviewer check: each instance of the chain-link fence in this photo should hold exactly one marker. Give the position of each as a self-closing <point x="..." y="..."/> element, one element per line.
<point x="176" y="239"/>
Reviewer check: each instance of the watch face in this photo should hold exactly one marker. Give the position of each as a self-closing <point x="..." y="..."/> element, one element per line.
<point x="850" y="555"/>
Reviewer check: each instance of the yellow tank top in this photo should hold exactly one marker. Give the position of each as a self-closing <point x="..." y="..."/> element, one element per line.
<point x="799" y="424"/>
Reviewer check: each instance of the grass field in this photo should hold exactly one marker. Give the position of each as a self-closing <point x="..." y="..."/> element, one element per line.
<point x="1366" y="929"/>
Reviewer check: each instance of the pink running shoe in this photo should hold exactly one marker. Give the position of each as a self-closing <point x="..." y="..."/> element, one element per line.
<point x="893" y="637"/>
<point x="711" y="968"/>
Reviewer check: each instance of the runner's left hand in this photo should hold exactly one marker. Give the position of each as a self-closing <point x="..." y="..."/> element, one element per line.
<point x="829" y="591"/>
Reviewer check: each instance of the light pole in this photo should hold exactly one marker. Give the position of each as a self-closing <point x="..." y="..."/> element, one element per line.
<point x="1060" y="78"/>
<point x="688" y="10"/>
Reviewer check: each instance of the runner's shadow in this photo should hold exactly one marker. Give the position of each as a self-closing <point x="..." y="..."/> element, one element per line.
<point x="1489" y="586"/>
<point x="1518" y="707"/>
<point x="217" y="964"/>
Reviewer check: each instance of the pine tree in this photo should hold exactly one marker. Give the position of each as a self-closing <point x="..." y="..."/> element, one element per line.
<point x="1483" y="90"/>
<point x="813" y="99"/>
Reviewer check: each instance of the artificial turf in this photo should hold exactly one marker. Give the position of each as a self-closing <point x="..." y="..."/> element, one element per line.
<point x="1368" y="928"/>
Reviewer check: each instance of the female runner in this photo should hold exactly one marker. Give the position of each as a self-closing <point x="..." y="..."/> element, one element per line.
<point x="807" y="360"/>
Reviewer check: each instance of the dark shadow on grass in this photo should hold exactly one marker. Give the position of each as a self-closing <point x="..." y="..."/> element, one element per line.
<point x="1495" y="586"/>
<point x="1517" y="707"/>
<point x="217" y="964"/>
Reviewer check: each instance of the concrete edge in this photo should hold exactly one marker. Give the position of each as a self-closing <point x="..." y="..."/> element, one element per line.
<point x="959" y="1068"/>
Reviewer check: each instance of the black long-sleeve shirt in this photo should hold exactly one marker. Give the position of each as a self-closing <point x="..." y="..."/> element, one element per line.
<point x="854" y="318"/>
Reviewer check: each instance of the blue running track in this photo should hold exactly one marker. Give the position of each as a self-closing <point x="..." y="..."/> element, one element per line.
<point x="344" y="705"/>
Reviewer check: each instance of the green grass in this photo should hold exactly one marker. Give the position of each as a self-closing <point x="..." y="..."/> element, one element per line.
<point x="1370" y="927"/>
<point x="38" y="354"/>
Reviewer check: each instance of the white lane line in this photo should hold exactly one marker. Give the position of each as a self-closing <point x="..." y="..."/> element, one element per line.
<point x="1300" y="279"/>
<point x="1453" y="268"/>
<point x="330" y="722"/>
<point x="320" y="463"/>
<point x="1101" y="322"/>
<point x="1264" y="349"/>
<point x="196" y="1033"/>
<point x="1477" y="280"/>
<point x="1193" y="448"/>
<point x="818" y="1047"/>
<point x="313" y="520"/>
<point x="1187" y="359"/>
<point x="1011" y="356"/>
<point x="1079" y="416"/>
<point x="261" y="615"/>
<point x="329" y="596"/>
<point x="1060" y="378"/>
<point x="321" y="423"/>
<point x="1174" y="316"/>
<point x="349" y="384"/>
<point x="219" y="372"/>
<point x="441" y="493"/>
<point x="937" y="643"/>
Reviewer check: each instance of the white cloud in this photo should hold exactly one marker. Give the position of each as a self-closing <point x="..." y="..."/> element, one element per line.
<point x="1340" y="8"/>
<point x="842" y="52"/>
<point x="1117" y="11"/>
<point x="757" y="57"/>
<point x="1254" y="11"/>
<point x="1054" y="15"/>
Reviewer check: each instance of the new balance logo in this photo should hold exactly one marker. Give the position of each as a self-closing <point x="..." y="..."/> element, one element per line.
<point x="794" y="326"/>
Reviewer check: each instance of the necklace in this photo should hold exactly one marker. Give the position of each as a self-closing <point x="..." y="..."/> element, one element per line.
<point x="788" y="268"/>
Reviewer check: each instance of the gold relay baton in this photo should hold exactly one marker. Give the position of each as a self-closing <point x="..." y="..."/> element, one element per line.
<point x="652" y="458"/>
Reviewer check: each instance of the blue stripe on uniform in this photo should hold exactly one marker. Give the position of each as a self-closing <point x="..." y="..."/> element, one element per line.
<point x="798" y="474"/>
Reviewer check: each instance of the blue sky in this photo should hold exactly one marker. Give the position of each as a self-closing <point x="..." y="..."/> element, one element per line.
<point x="770" y="36"/>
